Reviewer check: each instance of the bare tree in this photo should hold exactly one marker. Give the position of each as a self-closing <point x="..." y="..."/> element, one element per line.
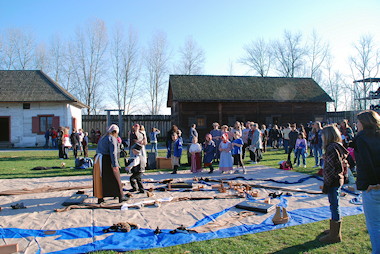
<point x="90" y="47"/>
<point x="9" y="50"/>
<point x="21" y="46"/>
<point x="230" y="67"/>
<point x="364" y="64"/>
<point x="289" y="54"/>
<point x="192" y="58"/>
<point x="156" y="64"/>
<point x="41" y="60"/>
<point x="258" y="57"/>
<point x="317" y="52"/>
<point x="56" y="58"/>
<point x="125" y="67"/>
<point x="117" y="46"/>
<point x="333" y="83"/>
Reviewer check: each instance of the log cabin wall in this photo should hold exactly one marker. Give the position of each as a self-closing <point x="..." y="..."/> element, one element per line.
<point x="205" y="113"/>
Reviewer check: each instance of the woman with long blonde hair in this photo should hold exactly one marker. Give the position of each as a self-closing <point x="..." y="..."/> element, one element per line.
<point x="333" y="179"/>
<point x="367" y="151"/>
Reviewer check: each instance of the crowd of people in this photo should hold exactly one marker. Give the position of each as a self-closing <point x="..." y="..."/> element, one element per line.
<point x="338" y="151"/>
<point x="63" y="140"/>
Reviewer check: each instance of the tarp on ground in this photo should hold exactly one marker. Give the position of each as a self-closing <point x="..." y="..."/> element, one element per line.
<point x="79" y="231"/>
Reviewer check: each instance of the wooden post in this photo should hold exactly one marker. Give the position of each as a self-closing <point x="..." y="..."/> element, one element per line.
<point x="108" y="118"/>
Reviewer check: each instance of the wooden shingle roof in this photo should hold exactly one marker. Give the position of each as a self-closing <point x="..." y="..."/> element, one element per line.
<point x="207" y="88"/>
<point x="33" y="86"/>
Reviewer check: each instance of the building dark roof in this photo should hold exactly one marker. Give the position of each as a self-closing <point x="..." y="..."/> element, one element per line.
<point x="205" y="88"/>
<point x="374" y="80"/>
<point x="33" y="86"/>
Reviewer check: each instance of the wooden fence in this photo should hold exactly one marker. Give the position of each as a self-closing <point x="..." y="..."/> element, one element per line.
<point x="337" y="117"/>
<point x="161" y="122"/>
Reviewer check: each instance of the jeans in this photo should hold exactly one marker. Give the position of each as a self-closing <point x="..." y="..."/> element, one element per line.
<point x="333" y="196"/>
<point x="371" y="205"/>
<point x="54" y="142"/>
<point x="280" y="142"/>
<point x="154" y="146"/>
<point x="317" y="151"/>
<point x="286" y="145"/>
<point x="299" y="153"/>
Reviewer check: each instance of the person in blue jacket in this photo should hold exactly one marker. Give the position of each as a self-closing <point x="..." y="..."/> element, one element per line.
<point x="175" y="151"/>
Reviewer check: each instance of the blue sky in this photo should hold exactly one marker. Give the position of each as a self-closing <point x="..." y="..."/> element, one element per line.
<point x="220" y="27"/>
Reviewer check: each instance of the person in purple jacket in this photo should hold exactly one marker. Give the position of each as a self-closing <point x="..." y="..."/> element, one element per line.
<point x="301" y="148"/>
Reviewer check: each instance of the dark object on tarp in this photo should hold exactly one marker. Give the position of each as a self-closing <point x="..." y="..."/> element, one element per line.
<point x="121" y="227"/>
<point x="152" y="160"/>
<point x="157" y="231"/>
<point x="275" y="194"/>
<point x="255" y="206"/>
<point x="18" y="206"/>
<point x="83" y="163"/>
<point x="45" y="168"/>
<point x="50" y="232"/>
<point x="180" y="185"/>
<point x="75" y="199"/>
<point x="182" y="229"/>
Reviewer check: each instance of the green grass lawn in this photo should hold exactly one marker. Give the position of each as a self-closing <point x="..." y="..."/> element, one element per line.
<point x="18" y="163"/>
<point x="298" y="239"/>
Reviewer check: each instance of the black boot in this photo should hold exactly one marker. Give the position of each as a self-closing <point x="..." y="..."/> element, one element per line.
<point x="175" y="169"/>
<point x="123" y="198"/>
<point x="211" y="169"/>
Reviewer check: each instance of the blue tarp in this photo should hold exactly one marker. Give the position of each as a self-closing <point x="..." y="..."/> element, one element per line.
<point x="146" y="239"/>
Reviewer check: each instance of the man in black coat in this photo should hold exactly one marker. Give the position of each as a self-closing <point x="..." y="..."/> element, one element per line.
<point x="74" y="139"/>
<point x="293" y="135"/>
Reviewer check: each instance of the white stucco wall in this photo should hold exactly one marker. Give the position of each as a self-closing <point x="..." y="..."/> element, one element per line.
<point x="21" y="120"/>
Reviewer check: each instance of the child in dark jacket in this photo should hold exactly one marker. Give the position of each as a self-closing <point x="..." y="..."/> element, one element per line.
<point x="175" y="151"/>
<point x="136" y="165"/>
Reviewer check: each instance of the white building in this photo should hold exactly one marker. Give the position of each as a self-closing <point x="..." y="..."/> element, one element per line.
<point x="30" y="103"/>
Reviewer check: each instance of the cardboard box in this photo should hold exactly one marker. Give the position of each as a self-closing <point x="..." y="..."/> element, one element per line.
<point x="164" y="163"/>
<point x="9" y="248"/>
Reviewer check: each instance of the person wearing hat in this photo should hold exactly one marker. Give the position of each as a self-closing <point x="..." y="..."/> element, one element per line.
<point x="106" y="174"/>
<point x="136" y="165"/>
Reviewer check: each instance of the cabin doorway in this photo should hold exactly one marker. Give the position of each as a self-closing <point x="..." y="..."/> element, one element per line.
<point x="5" y="129"/>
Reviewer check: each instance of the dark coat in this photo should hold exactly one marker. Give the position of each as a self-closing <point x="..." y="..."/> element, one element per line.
<point x="367" y="155"/>
<point x="177" y="148"/>
<point x="209" y="152"/>
<point x="293" y="135"/>
<point x="333" y="169"/>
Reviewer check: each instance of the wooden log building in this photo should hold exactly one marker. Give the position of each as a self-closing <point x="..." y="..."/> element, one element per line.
<point x="205" y="99"/>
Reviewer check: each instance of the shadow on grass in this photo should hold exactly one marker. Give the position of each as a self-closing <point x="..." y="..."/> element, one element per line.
<point x="26" y="158"/>
<point x="303" y="247"/>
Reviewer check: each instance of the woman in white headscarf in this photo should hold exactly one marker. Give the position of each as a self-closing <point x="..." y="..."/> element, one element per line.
<point x="106" y="174"/>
